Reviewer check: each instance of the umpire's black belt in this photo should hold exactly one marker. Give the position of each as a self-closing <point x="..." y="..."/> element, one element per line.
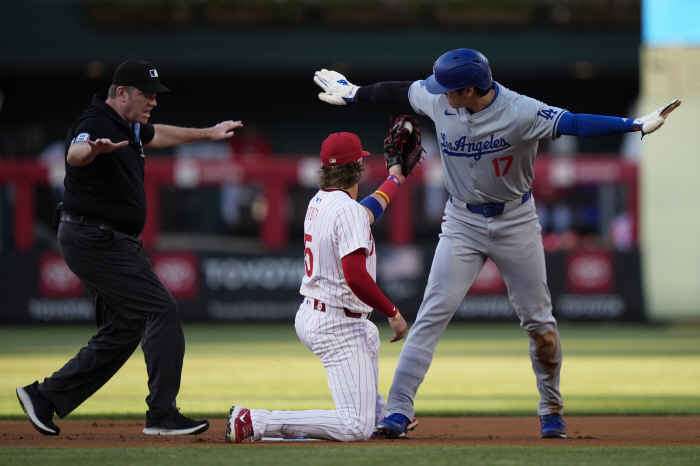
<point x="94" y="222"/>
<point x="491" y="210"/>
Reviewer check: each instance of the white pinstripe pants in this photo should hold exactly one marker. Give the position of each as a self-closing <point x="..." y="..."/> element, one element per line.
<point x="349" y="350"/>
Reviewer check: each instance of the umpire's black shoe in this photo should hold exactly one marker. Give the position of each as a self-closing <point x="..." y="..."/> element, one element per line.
<point x="173" y="424"/>
<point x="38" y="408"/>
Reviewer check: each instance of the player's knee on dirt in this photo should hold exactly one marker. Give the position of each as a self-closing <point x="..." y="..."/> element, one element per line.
<point x="546" y="346"/>
<point x="360" y="434"/>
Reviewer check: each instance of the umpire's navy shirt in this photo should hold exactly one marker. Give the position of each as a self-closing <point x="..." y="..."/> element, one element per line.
<point x="111" y="186"/>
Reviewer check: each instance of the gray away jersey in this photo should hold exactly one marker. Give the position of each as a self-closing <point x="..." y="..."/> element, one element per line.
<point x="488" y="157"/>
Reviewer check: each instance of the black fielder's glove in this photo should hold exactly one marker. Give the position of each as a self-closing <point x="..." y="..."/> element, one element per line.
<point x="402" y="145"/>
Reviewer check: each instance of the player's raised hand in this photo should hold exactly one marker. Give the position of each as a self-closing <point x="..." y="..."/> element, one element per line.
<point x="655" y="120"/>
<point x="336" y="89"/>
<point x="399" y="326"/>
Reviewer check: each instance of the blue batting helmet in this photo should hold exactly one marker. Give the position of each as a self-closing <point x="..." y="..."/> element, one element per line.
<point x="458" y="69"/>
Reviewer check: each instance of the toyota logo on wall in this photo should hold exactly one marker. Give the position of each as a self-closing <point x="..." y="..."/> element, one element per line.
<point x="489" y="281"/>
<point x="56" y="279"/>
<point x="179" y="273"/>
<point x="590" y="272"/>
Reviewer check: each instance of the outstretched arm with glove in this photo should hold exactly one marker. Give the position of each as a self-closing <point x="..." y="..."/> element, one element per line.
<point x="585" y="125"/>
<point x="337" y="90"/>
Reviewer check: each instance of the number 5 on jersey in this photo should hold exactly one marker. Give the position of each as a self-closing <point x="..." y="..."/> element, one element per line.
<point x="308" y="264"/>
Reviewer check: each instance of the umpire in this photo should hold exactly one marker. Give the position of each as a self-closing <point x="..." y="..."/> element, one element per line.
<point x="104" y="210"/>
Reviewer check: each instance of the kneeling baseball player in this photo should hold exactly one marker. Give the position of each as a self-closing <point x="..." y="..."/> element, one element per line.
<point x="340" y="292"/>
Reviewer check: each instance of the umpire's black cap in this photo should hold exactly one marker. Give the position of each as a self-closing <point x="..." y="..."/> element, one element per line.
<point x="140" y="74"/>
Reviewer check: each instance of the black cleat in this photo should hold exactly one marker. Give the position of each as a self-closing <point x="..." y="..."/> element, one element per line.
<point x="174" y="424"/>
<point x="38" y="408"/>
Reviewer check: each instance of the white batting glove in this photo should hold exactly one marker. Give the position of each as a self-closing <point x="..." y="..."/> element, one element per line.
<point x="336" y="89"/>
<point x="654" y="121"/>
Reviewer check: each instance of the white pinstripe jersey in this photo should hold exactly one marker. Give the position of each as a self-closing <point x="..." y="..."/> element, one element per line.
<point x="335" y="225"/>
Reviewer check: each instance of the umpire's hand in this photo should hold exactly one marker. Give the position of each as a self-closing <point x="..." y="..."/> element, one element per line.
<point x="83" y="152"/>
<point x="224" y="130"/>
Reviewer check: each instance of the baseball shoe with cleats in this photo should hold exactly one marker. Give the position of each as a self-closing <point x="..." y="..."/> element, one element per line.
<point x="38" y="408"/>
<point x="240" y="425"/>
<point x="173" y="424"/>
<point x="395" y="425"/>
<point x="552" y="426"/>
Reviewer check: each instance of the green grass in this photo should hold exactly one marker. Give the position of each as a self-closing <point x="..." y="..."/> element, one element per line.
<point x="479" y="369"/>
<point x="356" y="455"/>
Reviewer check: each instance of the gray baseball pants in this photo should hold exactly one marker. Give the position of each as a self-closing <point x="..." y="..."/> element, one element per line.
<point x="513" y="241"/>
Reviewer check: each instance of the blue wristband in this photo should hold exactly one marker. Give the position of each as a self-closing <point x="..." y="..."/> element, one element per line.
<point x="374" y="206"/>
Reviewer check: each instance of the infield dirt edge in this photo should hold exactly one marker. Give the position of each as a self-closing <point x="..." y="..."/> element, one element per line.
<point x="456" y="431"/>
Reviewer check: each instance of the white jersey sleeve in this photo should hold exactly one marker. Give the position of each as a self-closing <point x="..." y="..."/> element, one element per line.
<point x="335" y="226"/>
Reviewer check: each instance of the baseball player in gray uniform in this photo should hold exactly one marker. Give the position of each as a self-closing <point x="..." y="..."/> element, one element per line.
<point x="488" y="137"/>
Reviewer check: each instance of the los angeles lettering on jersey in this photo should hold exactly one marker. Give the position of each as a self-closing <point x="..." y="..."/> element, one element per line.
<point x="462" y="148"/>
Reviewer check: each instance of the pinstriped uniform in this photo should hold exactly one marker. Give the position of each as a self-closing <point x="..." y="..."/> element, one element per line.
<point x="348" y="347"/>
<point x="337" y="225"/>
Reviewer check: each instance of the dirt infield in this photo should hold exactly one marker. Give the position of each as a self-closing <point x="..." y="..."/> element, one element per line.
<point x="512" y="431"/>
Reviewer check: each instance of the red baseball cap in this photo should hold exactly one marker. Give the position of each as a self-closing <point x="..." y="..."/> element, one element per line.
<point x="342" y="148"/>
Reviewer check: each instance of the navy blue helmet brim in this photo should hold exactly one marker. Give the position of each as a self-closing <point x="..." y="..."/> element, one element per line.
<point x="435" y="87"/>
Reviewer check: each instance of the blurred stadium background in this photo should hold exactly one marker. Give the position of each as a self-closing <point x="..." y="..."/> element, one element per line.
<point x="224" y="231"/>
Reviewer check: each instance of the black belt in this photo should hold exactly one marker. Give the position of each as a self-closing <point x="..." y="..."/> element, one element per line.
<point x="319" y="306"/>
<point x="94" y="222"/>
<point x="491" y="210"/>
